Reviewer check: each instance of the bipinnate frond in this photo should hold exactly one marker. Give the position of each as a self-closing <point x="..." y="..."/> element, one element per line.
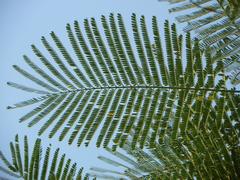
<point x="110" y="85"/>
<point x="40" y="163"/>
<point x="206" y="152"/>
<point x="216" y="24"/>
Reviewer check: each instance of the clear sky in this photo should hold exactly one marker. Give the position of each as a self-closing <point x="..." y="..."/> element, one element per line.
<point x="23" y="22"/>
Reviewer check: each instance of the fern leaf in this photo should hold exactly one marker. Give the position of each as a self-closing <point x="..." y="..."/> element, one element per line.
<point x="42" y="164"/>
<point x="115" y="88"/>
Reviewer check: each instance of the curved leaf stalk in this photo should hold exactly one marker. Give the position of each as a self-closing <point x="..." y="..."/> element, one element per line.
<point x="121" y="87"/>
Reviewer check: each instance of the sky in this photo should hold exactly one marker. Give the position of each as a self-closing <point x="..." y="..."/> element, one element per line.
<point x="22" y="24"/>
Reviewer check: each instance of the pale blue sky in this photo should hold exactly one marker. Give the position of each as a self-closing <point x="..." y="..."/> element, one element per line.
<point x="23" y="22"/>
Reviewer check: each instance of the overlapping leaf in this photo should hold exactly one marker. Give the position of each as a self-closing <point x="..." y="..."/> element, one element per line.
<point x="216" y="25"/>
<point x="111" y="86"/>
<point x="205" y="151"/>
<point x="40" y="164"/>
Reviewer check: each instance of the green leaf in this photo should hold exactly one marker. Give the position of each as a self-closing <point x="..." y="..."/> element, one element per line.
<point x="42" y="164"/>
<point x="115" y="88"/>
<point x="216" y="25"/>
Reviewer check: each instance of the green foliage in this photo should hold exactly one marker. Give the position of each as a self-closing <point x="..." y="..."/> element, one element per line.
<point x="206" y="152"/>
<point x="216" y="25"/>
<point x="41" y="164"/>
<point x="122" y="88"/>
<point x="173" y="115"/>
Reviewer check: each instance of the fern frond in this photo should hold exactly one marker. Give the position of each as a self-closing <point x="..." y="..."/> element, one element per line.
<point x="40" y="164"/>
<point x="118" y="86"/>
<point x="214" y="22"/>
<point x="210" y="151"/>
